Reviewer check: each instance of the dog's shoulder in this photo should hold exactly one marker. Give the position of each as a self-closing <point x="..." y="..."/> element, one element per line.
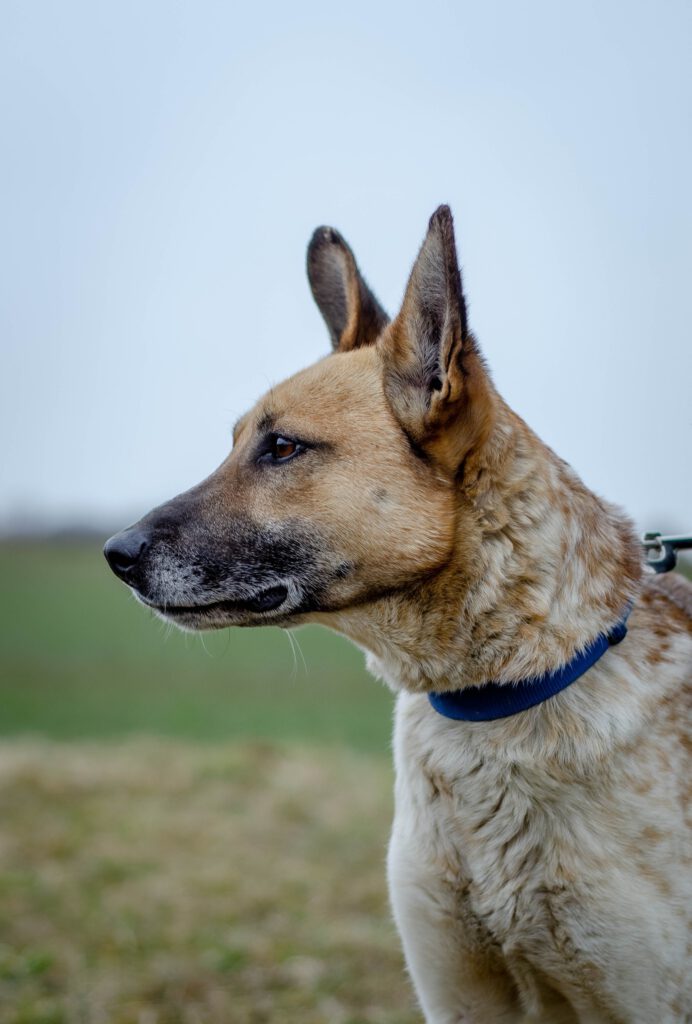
<point x="664" y="610"/>
<point x="673" y="588"/>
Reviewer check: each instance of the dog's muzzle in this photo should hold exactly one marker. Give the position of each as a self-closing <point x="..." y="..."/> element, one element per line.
<point x="204" y="585"/>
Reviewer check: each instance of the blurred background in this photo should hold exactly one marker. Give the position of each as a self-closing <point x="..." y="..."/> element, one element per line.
<point x="194" y="830"/>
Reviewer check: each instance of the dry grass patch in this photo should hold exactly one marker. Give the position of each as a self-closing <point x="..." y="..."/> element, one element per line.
<point x="155" y="882"/>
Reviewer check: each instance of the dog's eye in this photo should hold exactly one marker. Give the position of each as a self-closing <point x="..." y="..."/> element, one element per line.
<point x="281" y="449"/>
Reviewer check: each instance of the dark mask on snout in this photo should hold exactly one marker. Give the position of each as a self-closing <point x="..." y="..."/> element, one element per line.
<point x="202" y="567"/>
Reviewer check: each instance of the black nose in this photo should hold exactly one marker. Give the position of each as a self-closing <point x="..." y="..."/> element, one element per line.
<point x="124" y="551"/>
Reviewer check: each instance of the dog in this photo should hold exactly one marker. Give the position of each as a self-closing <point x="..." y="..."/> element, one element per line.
<point x="539" y="859"/>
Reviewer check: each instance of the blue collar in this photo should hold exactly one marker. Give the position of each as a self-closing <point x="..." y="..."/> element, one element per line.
<point x="500" y="700"/>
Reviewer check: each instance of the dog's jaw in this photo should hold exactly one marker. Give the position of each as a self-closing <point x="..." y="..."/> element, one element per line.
<point x="270" y="605"/>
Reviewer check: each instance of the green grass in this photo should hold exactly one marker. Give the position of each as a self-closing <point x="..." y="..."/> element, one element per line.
<point x="79" y="658"/>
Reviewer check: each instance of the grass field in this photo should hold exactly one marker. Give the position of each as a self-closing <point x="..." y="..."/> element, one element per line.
<point x="190" y="834"/>
<point x="157" y="881"/>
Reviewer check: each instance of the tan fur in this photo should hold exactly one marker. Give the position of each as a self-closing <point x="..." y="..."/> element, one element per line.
<point x="539" y="867"/>
<point x="373" y="501"/>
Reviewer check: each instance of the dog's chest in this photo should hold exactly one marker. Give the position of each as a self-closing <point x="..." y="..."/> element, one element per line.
<point x="495" y="848"/>
<point x="477" y="832"/>
<point x="524" y="852"/>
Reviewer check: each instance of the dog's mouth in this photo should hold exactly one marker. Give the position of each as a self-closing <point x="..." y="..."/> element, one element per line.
<point x="269" y="599"/>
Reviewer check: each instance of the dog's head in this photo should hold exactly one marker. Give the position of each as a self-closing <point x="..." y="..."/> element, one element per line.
<point x="340" y="487"/>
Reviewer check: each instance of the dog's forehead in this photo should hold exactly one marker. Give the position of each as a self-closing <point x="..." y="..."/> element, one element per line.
<point x="341" y="390"/>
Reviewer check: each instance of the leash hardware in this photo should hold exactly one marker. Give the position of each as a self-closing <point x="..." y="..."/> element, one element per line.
<point x="662" y="552"/>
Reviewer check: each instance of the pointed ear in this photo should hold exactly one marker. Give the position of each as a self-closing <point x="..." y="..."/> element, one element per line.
<point x="350" y="310"/>
<point x="435" y="379"/>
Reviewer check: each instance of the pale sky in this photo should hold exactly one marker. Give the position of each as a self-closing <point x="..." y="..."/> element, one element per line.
<point x="163" y="166"/>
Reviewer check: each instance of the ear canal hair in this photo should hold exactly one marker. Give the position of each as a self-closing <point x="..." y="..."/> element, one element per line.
<point x="434" y="377"/>
<point x="434" y="304"/>
<point x="351" y="312"/>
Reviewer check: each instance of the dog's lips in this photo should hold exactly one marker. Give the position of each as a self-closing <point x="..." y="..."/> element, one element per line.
<point x="268" y="600"/>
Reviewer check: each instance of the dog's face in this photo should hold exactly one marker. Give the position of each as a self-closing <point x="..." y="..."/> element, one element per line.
<point x="339" y="488"/>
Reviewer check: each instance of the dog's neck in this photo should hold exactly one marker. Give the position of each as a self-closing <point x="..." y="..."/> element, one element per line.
<point x="540" y="567"/>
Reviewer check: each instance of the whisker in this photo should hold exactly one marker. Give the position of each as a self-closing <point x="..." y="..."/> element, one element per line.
<point x="287" y="634"/>
<point x="294" y="636"/>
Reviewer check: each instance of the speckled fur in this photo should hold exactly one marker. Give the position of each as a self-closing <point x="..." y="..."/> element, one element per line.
<point x="539" y="865"/>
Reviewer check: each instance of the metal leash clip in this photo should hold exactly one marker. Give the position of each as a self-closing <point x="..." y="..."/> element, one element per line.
<point x="662" y="552"/>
